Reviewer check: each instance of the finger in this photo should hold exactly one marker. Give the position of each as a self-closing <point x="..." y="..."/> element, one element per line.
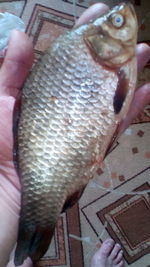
<point x="6" y="141"/>
<point x="143" y="55"/>
<point x="91" y="13"/>
<point x="17" y="63"/>
<point x="140" y="100"/>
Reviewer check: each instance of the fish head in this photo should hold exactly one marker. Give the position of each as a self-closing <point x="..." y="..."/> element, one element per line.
<point x="112" y="37"/>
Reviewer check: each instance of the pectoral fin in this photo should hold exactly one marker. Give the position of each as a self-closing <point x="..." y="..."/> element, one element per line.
<point x="121" y="91"/>
<point x="71" y="200"/>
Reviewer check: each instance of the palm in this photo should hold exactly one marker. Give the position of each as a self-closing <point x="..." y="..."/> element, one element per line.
<point x="9" y="183"/>
<point x="9" y="177"/>
<point x="13" y="72"/>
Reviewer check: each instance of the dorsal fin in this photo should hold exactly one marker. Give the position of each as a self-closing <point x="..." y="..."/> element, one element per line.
<point x="121" y="91"/>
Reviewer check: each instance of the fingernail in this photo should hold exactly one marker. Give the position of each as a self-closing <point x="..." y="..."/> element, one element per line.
<point x="14" y="34"/>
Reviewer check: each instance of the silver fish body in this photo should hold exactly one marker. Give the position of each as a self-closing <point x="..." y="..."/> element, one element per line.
<point x="71" y="106"/>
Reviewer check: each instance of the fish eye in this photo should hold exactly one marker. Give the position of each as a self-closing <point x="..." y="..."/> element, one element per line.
<point x="117" y="20"/>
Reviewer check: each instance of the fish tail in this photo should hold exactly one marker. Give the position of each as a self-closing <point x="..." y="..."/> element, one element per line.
<point x="32" y="242"/>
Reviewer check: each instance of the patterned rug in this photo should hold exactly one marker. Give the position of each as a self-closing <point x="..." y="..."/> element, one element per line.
<point x="116" y="203"/>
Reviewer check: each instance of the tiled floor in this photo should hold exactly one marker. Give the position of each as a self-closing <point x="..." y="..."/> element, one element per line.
<point x="116" y="203"/>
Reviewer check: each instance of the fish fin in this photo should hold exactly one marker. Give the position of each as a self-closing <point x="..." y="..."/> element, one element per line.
<point x="40" y="243"/>
<point x="71" y="200"/>
<point x="16" y="115"/>
<point x="23" y="243"/>
<point x="121" y="91"/>
<point x="113" y="142"/>
<point x="32" y="242"/>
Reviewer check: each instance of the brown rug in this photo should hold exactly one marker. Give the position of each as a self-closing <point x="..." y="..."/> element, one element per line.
<point x="116" y="203"/>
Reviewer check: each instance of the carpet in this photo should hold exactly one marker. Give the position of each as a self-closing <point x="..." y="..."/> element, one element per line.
<point x="117" y="202"/>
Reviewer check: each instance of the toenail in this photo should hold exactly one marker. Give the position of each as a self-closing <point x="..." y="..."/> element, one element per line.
<point x="121" y="264"/>
<point x="109" y="241"/>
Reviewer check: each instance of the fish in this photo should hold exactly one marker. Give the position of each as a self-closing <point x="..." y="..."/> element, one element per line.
<point x="66" y="120"/>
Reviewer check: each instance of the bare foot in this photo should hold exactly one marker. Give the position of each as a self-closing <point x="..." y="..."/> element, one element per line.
<point x="109" y="255"/>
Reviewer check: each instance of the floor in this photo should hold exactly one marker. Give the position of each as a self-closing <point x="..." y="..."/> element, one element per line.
<point x="116" y="203"/>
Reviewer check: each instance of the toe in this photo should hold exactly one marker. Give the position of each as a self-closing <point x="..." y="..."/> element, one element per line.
<point x="119" y="257"/>
<point x="107" y="247"/>
<point x="115" y="251"/>
<point x="101" y="256"/>
<point x="121" y="264"/>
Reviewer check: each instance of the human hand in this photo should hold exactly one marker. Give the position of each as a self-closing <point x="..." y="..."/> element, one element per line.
<point x="14" y="70"/>
<point x="16" y="65"/>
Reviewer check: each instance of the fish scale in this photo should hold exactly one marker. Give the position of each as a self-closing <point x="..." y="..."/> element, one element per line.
<point x="67" y="122"/>
<point x="54" y="112"/>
